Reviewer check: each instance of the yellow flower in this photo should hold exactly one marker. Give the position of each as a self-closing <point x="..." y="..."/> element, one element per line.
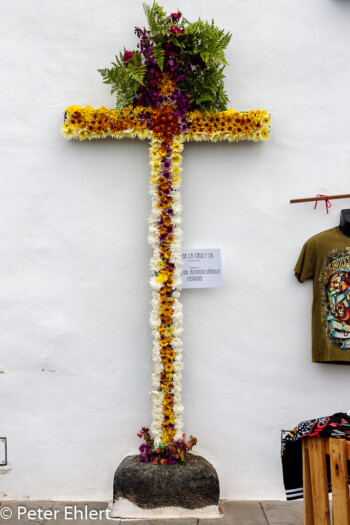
<point x="166" y="85"/>
<point x="265" y="133"/>
<point x="142" y="134"/>
<point x="176" y="179"/>
<point x="82" y="135"/>
<point x="266" y="119"/>
<point x="168" y="367"/>
<point x="127" y="111"/>
<point x="164" y="342"/>
<point x="66" y="130"/>
<point x="153" y="152"/>
<point x="176" y="170"/>
<point x="168" y="411"/>
<point x="176" y="158"/>
<point x="138" y="110"/>
<point x="166" y="440"/>
<point x="258" y="116"/>
<point x="197" y="136"/>
<point x="177" y="147"/>
<point x="162" y="277"/>
<point x="194" y="114"/>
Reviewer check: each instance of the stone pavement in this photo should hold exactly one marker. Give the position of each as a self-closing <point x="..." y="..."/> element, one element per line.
<point x="89" y="513"/>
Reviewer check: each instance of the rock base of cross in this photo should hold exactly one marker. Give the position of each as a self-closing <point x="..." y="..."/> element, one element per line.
<point x="143" y="490"/>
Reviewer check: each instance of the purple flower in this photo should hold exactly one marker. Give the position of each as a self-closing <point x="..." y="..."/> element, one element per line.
<point x="166" y="164"/>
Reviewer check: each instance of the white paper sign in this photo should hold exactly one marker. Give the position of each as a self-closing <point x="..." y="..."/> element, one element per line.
<point x="201" y="269"/>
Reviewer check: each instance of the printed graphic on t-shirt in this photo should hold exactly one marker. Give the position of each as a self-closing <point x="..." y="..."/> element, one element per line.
<point x="335" y="293"/>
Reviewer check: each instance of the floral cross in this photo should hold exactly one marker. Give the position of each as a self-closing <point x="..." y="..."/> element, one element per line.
<point x="169" y="91"/>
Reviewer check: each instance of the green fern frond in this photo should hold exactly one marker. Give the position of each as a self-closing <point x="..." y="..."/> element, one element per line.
<point x="159" y="56"/>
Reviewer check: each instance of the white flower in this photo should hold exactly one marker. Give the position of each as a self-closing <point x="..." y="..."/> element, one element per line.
<point x="177" y="389"/>
<point x="156" y="380"/>
<point x="178" y="409"/>
<point x="178" y="366"/>
<point x="177" y="398"/>
<point x="179" y="423"/>
<point x="156" y="285"/>
<point x="177" y="343"/>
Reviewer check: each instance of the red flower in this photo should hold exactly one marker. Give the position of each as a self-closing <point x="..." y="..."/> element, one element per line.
<point x="177" y="30"/>
<point x="175" y="16"/>
<point x="127" y="56"/>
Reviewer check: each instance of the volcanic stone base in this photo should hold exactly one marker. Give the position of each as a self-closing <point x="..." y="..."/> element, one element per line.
<point x="146" y="490"/>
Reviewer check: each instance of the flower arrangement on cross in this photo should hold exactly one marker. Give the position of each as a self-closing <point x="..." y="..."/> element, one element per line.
<point x="176" y="62"/>
<point x="170" y="90"/>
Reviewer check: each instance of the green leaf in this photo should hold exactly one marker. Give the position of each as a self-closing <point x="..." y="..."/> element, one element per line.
<point x="159" y="55"/>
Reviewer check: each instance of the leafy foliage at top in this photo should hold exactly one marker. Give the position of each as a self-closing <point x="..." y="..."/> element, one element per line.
<point x="191" y="54"/>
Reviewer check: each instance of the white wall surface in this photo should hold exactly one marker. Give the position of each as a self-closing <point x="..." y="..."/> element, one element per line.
<point x="75" y="344"/>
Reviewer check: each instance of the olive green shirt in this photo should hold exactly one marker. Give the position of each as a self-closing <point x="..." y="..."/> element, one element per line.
<point x="326" y="258"/>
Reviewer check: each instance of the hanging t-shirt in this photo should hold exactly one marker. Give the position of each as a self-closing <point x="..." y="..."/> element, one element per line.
<point x="326" y="258"/>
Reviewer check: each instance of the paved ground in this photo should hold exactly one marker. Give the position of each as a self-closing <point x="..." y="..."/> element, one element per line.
<point x="234" y="513"/>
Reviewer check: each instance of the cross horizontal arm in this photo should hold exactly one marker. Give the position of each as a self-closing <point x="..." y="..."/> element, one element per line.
<point x="146" y="123"/>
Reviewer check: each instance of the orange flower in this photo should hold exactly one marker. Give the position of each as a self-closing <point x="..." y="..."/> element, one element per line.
<point x="170" y="239"/>
<point x="166" y="301"/>
<point x="168" y="411"/>
<point x="164" y="341"/>
<point x="168" y="398"/>
<point x="168" y="367"/>
<point x="171" y="354"/>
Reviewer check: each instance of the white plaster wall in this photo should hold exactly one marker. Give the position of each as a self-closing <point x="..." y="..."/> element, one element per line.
<point x="75" y="344"/>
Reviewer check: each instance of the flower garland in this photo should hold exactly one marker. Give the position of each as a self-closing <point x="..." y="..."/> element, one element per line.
<point x="141" y="122"/>
<point x="166" y="315"/>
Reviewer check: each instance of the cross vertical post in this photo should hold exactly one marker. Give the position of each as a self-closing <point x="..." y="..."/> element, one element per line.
<point x="167" y="135"/>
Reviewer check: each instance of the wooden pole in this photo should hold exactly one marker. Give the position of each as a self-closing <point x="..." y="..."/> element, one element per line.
<point x="321" y="198"/>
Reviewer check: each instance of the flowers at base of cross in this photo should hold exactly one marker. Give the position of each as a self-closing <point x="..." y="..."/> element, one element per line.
<point x="164" y="455"/>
